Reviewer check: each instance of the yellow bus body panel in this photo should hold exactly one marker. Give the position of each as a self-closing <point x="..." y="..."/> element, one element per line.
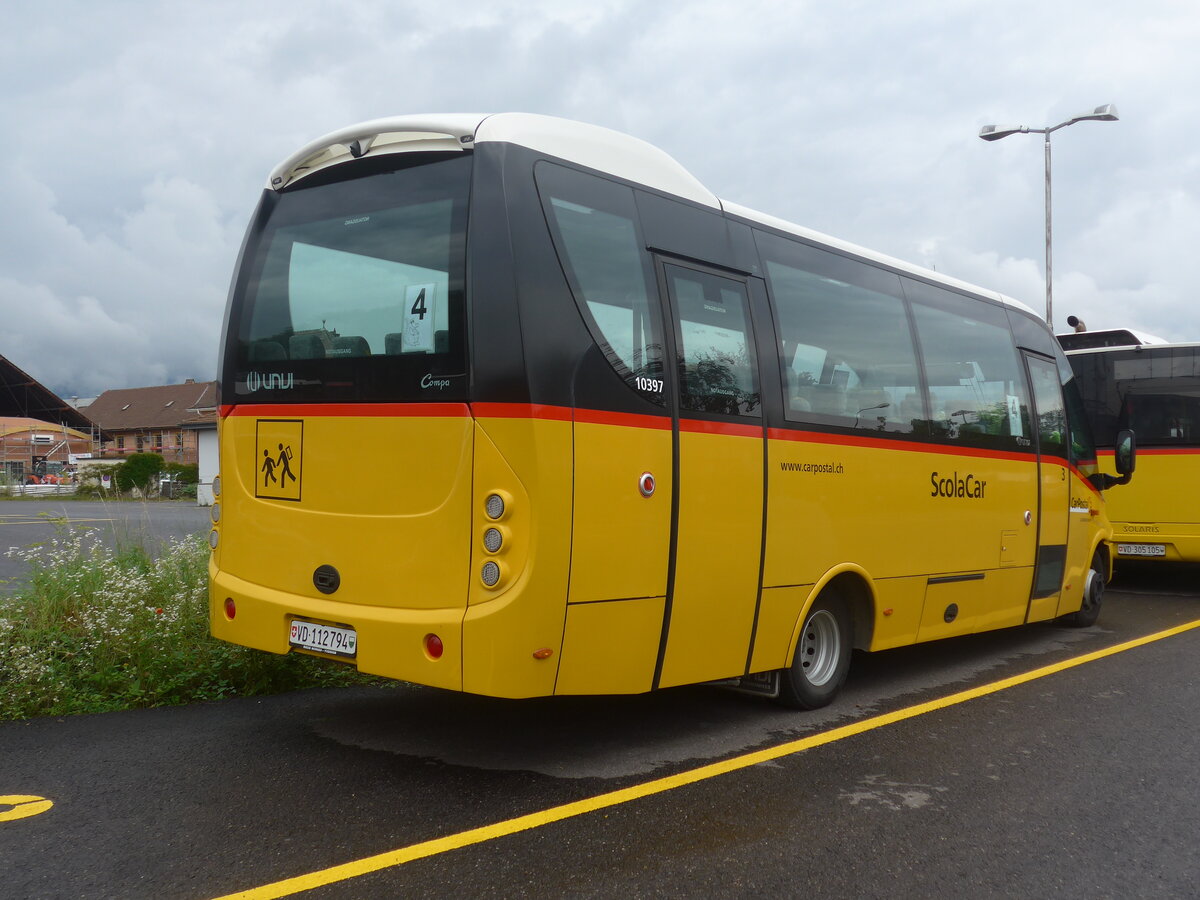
<point x="835" y="501"/>
<point x="1161" y="505"/>
<point x="393" y="517"/>
<point x="718" y="552"/>
<point x="390" y="641"/>
<point x="512" y="632"/>
<point x="622" y="539"/>
<point x="610" y="648"/>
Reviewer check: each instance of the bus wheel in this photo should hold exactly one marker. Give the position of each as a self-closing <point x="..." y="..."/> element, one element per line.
<point x="1093" y="597"/>
<point x="822" y="658"/>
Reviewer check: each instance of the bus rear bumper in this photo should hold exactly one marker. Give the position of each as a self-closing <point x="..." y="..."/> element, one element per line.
<point x="390" y="642"/>
<point x="1173" y="547"/>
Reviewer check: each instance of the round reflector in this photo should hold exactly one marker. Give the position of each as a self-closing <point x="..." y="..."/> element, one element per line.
<point x="490" y="573"/>
<point x="230" y="608"/>
<point x="492" y="539"/>
<point x="433" y="646"/>
<point x="646" y="484"/>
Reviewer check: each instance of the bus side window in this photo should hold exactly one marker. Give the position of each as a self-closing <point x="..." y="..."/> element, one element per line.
<point x="974" y="374"/>
<point x="594" y="227"/>
<point x="717" y="365"/>
<point x="846" y="349"/>
<point x="1051" y="411"/>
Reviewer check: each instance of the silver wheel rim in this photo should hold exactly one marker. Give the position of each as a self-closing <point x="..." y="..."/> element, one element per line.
<point x="820" y="647"/>
<point x="1093" y="590"/>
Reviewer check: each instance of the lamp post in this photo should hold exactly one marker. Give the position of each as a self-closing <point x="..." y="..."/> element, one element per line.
<point x="1105" y="113"/>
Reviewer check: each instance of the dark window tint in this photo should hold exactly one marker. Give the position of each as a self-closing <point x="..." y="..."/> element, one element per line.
<point x="1051" y="412"/>
<point x="717" y="364"/>
<point x="845" y="348"/>
<point x="355" y="287"/>
<point x="1154" y="391"/>
<point x="593" y="222"/>
<point x="977" y="390"/>
<point x="1083" y="446"/>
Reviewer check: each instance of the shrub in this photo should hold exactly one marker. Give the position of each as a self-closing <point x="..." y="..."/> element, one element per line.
<point x="99" y="629"/>
<point x="184" y="473"/>
<point x="139" y="471"/>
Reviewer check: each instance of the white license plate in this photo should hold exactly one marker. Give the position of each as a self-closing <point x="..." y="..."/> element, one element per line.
<point x="323" y="638"/>
<point x="1142" y="549"/>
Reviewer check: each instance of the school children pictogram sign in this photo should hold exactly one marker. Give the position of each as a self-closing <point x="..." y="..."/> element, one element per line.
<point x="279" y="458"/>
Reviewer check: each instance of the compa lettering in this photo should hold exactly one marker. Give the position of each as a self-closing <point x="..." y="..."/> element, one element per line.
<point x="953" y="486"/>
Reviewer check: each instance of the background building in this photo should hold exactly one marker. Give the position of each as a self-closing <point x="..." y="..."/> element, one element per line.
<point x="161" y="419"/>
<point x="40" y="433"/>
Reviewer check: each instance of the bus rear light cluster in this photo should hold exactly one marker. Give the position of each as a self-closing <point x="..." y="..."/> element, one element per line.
<point x="215" y="513"/>
<point x="495" y="507"/>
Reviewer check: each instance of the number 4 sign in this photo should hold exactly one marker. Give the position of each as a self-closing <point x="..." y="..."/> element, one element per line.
<point x="419" y="306"/>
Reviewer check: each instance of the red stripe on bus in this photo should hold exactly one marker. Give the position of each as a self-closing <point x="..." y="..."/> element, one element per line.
<point x="847" y="440"/>
<point x="521" y="411"/>
<point x="696" y="426"/>
<point x="348" y="410"/>
<point x="625" y="420"/>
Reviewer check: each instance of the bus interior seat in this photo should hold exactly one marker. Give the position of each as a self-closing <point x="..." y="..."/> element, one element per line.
<point x="829" y="399"/>
<point x="797" y="396"/>
<point x="350" y="345"/>
<point x="305" y="346"/>
<point x="266" y="351"/>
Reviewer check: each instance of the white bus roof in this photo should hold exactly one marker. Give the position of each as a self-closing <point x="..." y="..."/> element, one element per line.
<point x="598" y="148"/>
<point x="1107" y="339"/>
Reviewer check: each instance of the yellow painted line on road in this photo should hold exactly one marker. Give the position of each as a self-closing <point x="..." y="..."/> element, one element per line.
<point x="399" y="857"/>
<point x="23" y="806"/>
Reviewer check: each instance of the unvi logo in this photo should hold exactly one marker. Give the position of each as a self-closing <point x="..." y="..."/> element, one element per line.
<point x="272" y="381"/>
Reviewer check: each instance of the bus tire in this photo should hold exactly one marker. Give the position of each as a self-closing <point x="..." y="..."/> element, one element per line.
<point x="822" y="657"/>
<point x="1093" y="597"/>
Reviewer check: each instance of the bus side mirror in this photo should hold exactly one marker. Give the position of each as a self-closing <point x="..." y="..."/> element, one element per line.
<point x="1125" y="458"/>
<point x="1126" y="455"/>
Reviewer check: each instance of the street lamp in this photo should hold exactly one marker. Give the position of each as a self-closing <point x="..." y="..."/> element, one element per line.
<point x="1105" y="113"/>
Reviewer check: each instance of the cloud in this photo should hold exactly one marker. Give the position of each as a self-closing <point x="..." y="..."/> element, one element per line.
<point x="138" y="139"/>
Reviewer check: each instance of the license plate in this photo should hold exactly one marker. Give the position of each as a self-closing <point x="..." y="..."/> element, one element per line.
<point x="1142" y="549"/>
<point x="323" y="638"/>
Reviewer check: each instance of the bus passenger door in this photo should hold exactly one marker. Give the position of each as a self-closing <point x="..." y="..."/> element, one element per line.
<point x="1054" y="488"/>
<point x="718" y="524"/>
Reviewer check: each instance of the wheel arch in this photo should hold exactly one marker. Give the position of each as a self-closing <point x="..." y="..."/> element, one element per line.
<point x="857" y="589"/>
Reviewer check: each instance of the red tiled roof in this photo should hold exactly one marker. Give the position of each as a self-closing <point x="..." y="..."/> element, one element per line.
<point x="165" y="406"/>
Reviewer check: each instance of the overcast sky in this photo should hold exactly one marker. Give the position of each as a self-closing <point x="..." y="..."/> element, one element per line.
<point x="137" y="137"/>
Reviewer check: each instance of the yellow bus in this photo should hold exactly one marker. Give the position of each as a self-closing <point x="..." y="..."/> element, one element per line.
<point x="515" y="406"/>
<point x="1154" y="390"/>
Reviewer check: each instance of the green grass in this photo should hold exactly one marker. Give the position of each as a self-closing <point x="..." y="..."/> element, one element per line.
<point x="97" y="629"/>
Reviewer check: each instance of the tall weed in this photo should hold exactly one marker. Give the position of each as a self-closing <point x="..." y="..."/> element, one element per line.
<point x="99" y="629"/>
